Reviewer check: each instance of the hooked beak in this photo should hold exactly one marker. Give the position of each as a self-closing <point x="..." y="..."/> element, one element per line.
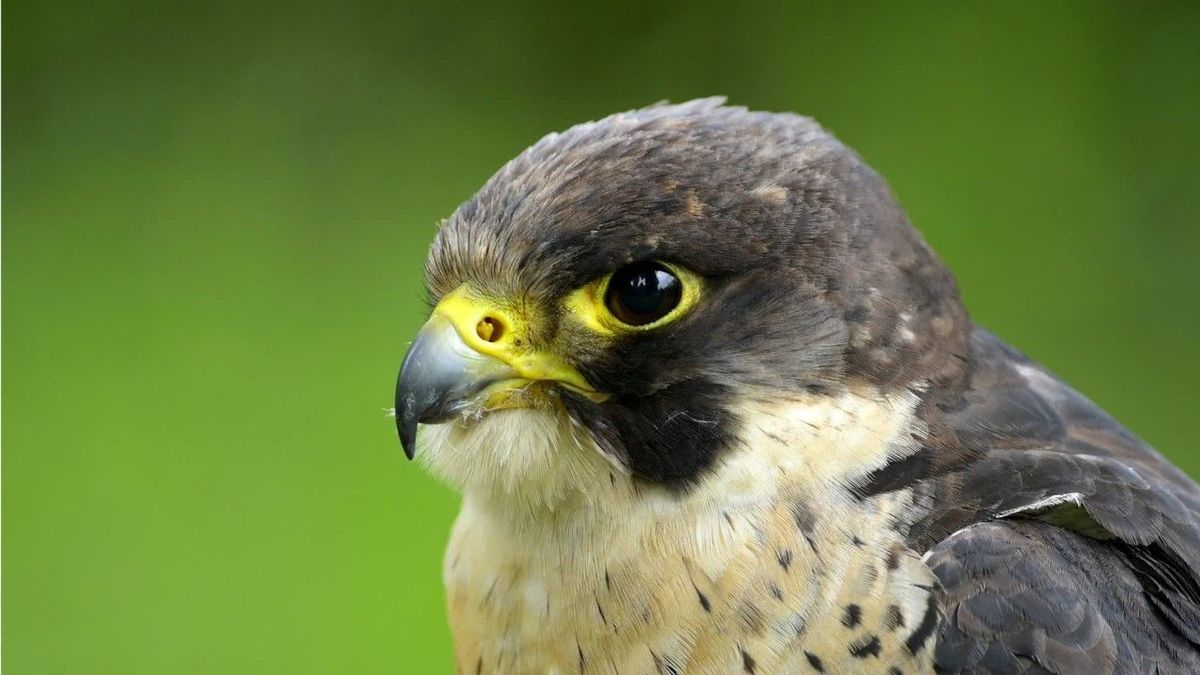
<point x="438" y="378"/>
<point x="469" y="355"/>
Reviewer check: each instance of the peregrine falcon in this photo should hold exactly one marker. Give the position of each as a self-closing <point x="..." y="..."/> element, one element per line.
<point x="714" y="406"/>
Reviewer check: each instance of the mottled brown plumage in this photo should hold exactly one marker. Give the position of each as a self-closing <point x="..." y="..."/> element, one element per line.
<point x="822" y="466"/>
<point x="1106" y="578"/>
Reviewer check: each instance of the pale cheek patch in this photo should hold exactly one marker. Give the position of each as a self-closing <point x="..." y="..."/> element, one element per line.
<point x="826" y="442"/>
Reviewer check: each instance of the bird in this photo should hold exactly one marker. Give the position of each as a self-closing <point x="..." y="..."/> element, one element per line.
<point x="713" y="405"/>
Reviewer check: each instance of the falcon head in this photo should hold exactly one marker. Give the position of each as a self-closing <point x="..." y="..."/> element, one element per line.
<point x="634" y="298"/>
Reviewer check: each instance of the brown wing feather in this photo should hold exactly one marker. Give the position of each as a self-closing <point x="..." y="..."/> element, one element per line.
<point x="1042" y="508"/>
<point x="1024" y="596"/>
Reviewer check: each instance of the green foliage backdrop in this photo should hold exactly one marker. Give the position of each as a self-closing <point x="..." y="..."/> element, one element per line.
<point x="215" y="216"/>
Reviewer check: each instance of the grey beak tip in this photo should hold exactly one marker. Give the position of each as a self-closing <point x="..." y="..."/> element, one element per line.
<point x="408" y="439"/>
<point x="406" y="422"/>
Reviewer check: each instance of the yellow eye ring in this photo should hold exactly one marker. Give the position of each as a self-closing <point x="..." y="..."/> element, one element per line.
<point x="644" y="285"/>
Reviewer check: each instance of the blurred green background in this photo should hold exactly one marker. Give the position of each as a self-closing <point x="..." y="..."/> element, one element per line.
<point x="215" y="216"/>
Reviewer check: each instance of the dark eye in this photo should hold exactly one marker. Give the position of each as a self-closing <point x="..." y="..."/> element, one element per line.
<point x="642" y="293"/>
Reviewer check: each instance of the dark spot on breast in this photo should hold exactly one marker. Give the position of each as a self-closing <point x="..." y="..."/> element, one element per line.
<point x="868" y="645"/>
<point x="853" y="616"/>
<point x="703" y="600"/>
<point x="776" y="591"/>
<point x="917" y="640"/>
<point x="816" y="389"/>
<point x="814" y="661"/>
<point x="664" y="665"/>
<point x="607" y="580"/>
<point x="601" y="610"/>
<point x="775" y="437"/>
<point x="895" y="671"/>
<point x="658" y="664"/>
<point x="805" y="519"/>
<point x="747" y="662"/>
<point x="751" y="617"/>
<point x="812" y="543"/>
<point x="857" y="542"/>
<point x="893" y="618"/>
<point x="487" y="597"/>
<point x="785" y="559"/>
<point x="893" y="559"/>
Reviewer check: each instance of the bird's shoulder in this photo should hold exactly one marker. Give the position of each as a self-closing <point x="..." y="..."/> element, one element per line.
<point x="1016" y="440"/>
<point x="1059" y="538"/>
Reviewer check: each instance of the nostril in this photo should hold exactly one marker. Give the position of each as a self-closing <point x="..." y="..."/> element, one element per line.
<point x="489" y="329"/>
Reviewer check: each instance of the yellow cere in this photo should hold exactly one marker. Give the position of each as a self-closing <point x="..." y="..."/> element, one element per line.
<point x="588" y="307"/>
<point x="494" y="329"/>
